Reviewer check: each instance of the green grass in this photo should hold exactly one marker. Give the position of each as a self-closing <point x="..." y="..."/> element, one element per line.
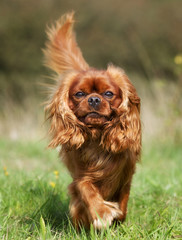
<point x="32" y="208"/>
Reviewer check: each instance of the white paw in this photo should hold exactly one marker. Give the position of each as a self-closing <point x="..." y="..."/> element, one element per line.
<point x="108" y="218"/>
<point x="101" y="223"/>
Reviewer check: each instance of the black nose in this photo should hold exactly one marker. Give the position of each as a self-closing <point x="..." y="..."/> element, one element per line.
<point x="94" y="101"/>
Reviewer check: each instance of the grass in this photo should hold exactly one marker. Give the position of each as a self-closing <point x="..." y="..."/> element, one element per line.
<point x="34" y="200"/>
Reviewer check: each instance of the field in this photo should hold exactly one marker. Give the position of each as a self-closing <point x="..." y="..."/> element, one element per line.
<point x="34" y="200"/>
<point x="143" y="38"/>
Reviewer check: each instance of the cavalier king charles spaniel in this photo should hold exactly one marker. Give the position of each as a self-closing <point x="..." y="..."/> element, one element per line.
<point x="95" y="118"/>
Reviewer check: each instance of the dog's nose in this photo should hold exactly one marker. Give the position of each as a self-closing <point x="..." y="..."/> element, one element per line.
<point x="94" y="101"/>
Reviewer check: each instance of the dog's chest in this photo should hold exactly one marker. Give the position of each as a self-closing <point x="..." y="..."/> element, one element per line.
<point x="105" y="169"/>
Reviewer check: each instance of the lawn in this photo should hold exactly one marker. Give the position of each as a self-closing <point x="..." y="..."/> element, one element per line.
<point x="34" y="201"/>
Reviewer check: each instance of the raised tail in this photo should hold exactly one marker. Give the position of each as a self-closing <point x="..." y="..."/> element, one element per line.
<point x="62" y="53"/>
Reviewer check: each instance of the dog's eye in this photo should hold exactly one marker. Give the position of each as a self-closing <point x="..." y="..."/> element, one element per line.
<point x="108" y="94"/>
<point x="79" y="94"/>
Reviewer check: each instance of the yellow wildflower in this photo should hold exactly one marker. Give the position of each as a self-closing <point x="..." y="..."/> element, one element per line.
<point x="56" y="173"/>
<point x="178" y="59"/>
<point x="52" y="184"/>
<point x="5" y="171"/>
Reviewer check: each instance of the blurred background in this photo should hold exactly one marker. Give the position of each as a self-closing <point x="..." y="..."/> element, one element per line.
<point x="143" y="37"/>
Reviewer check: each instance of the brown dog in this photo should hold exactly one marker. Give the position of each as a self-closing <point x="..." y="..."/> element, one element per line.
<point x="95" y="117"/>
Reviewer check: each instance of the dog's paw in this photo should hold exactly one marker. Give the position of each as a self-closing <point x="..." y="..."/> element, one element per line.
<point x="106" y="214"/>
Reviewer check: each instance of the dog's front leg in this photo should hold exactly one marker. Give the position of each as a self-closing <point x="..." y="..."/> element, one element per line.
<point x="100" y="213"/>
<point x="123" y="200"/>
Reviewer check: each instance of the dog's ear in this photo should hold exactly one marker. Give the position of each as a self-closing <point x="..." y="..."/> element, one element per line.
<point x="63" y="56"/>
<point x="65" y="128"/>
<point x="62" y="53"/>
<point x="124" y="131"/>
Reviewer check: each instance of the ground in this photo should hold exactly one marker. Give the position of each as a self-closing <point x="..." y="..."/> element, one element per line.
<point x="34" y="200"/>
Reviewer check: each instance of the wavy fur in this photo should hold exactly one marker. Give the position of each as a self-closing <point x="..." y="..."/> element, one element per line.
<point x="62" y="53"/>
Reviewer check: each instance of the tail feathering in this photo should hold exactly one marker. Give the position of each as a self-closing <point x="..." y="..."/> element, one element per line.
<point x="62" y="53"/>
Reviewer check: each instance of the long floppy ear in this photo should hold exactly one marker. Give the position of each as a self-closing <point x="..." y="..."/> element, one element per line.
<point x="63" y="56"/>
<point x="62" y="52"/>
<point x="124" y="131"/>
<point x="65" y="128"/>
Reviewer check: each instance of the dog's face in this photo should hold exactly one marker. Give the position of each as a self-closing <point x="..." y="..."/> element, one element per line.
<point x="93" y="97"/>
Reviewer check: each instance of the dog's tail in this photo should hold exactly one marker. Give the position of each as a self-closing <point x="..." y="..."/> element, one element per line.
<point x="62" y="53"/>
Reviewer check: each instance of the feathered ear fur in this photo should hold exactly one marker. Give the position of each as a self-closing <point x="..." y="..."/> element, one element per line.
<point x="124" y="131"/>
<point x="64" y="57"/>
<point x="65" y="128"/>
<point x="62" y="52"/>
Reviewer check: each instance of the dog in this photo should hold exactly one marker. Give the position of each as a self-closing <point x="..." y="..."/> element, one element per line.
<point x="95" y="117"/>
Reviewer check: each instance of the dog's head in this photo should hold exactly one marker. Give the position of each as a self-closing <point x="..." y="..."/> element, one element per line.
<point x="89" y="103"/>
<point x="94" y="98"/>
